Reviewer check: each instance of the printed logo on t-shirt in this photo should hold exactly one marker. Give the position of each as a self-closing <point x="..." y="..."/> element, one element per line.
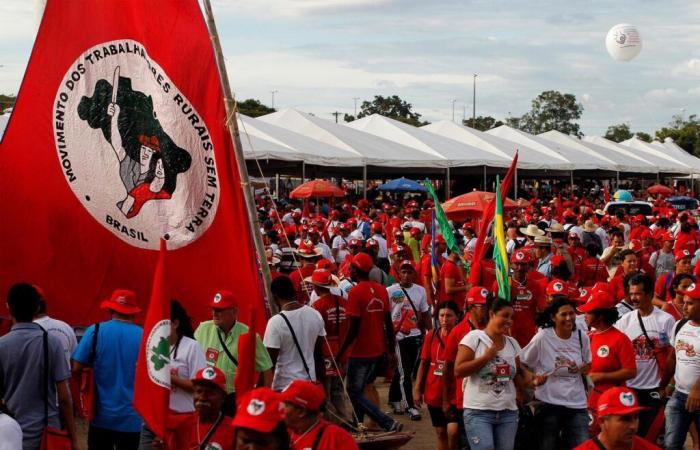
<point x="627" y="398"/>
<point x="495" y="376"/>
<point x="682" y="345"/>
<point x="644" y="350"/>
<point x="570" y="365"/>
<point x="375" y="305"/>
<point x="603" y="351"/>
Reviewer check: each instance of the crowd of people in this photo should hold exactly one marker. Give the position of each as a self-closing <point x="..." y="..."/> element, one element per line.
<point x="594" y="348"/>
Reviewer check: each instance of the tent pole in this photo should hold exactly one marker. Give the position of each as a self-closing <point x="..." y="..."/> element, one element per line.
<point x="277" y="185"/>
<point x="364" y="181"/>
<point x="232" y="125"/>
<point x="692" y="184"/>
<point x="484" y="178"/>
<point x="515" y="185"/>
<point x="447" y="183"/>
<point x="303" y="172"/>
<point x="572" y="181"/>
<point x="617" y="180"/>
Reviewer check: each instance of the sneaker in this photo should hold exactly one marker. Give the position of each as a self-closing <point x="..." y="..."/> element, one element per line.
<point x="396" y="408"/>
<point x="396" y="427"/>
<point x="413" y="413"/>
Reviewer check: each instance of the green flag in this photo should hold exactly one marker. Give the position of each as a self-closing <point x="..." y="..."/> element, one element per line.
<point x="443" y="223"/>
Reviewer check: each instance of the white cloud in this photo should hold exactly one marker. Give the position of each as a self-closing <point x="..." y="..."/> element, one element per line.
<point x="689" y="68"/>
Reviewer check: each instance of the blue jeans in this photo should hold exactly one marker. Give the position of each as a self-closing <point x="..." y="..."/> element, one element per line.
<point x="678" y="421"/>
<point x="490" y="430"/>
<point x="560" y="427"/>
<point x="359" y="372"/>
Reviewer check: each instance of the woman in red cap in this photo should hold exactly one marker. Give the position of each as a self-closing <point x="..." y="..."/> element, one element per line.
<point x="612" y="354"/>
<point x="259" y="422"/>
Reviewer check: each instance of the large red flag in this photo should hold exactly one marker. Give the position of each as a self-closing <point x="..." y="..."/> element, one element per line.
<point x="152" y="384"/>
<point x="246" y="376"/>
<point x="118" y="139"/>
<point x="487" y="217"/>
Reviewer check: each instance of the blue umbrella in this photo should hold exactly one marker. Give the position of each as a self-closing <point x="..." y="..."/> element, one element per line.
<point x="402" y="185"/>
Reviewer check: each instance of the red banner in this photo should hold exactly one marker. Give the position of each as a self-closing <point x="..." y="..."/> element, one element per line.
<point x="116" y="141"/>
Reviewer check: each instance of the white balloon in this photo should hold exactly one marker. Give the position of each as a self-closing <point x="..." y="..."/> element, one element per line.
<point x="623" y="42"/>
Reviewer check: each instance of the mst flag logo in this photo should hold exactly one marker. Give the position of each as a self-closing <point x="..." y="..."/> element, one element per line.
<point x="158" y="350"/>
<point x="133" y="149"/>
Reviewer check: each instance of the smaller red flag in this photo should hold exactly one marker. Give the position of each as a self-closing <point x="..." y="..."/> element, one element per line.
<point x="152" y="384"/>
<point x="246" y="375"/>
<point x="606" y="194"/>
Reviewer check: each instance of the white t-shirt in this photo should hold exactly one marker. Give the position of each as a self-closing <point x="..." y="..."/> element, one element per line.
<point x="687" y="347"/>
<point x="383" y="251"/>
<point x="187" y="360"/>
<point x="308" y="326"/>
<point x="491" y="388"/>
<point x="10" y="433"/>
<point x="402" y="314"/>
<point x="341" y="244"/>
<point x="659" y="326"/>
<point x="334" y="290"/>
<point x="61" y="330"/>
<point x="561" y="360"/>
<point x="357" y="234"/>
<point x="325" y="251"/>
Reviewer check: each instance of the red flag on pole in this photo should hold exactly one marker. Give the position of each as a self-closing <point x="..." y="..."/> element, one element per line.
<point x="246" y="376"/>
<point x="487" y="217"/>
<point x="117" y="140"/>
<point x="152" y="384"/>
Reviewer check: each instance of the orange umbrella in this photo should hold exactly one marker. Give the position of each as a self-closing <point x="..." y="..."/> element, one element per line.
<point x="660" y="189"/>
<point x="472" y="205"/>
<point x="317" y="188"/>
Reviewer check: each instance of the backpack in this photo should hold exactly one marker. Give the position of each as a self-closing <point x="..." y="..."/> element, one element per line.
<point x="592" y="238"/>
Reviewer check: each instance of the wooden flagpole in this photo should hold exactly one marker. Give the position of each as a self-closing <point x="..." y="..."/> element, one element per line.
<point x="232" y="125"/>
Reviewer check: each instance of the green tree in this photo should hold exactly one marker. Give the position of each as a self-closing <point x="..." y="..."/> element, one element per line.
<point x="686" y="133"/>
<point x="6" y="101"/>
<point x="392" y="107"/>
<point x="253" y="108"/>
<point x="646" y="137"/>
<point x="552" y="110"/>
<point x="482" y="123"/>
<point x="348" y="117"/>
<point x="513" y="122"/>
<point x="618" y="133"/>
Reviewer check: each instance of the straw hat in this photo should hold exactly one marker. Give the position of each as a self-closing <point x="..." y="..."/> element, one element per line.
<point x="556" y="228"/>
<point x="543" y="241"/>
<point x="532" y="230"/>
<point x="589" y="226"/>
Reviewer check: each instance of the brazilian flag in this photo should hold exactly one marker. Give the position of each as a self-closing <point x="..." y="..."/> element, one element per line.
<point x="500" y="256"/>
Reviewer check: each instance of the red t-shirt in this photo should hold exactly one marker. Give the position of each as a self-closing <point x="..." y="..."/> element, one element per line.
<point x="637" y="444"/>
<point x="527" y="300"/>
<point x="591" y="271"/>
<point x="661" y="288"/>
<point x="333" y="309"/>
<point x="488" y="272"/>
<point x="451" y="348"/>
<point x="451" y="270"/>
<point x="369" y="301"/>
<point x="333" y="438"/>
<point x="611" y="350"/>
<point x="186" y="435"/>
<point x="689" y="241"/>
<point x="303" y="290"/>
<point x="433" y="352"/>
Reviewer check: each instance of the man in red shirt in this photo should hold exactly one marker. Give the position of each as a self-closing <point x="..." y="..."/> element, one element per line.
<point x="426" y="270"/>
<point x="370" y="334"/>
<point x="452" y="283"/>
<point x="476" y="318"/>
<point x="619" y="420"/>
<point x="333" y="309"/>
<point x="526" y="295"/>
<point x="190" y="431"/>
<point x="302" y="402"/>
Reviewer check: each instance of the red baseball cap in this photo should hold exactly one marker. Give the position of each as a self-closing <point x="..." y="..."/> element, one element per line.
<point x="598" y="300"/>
<point x="521" y="256"/>
<point x="122" y="301"/>
<point x="223" y="300"/>
<point x="326" y="264"/>
<point x="377" y="227"/>
<point x="618" y="401"/>
<point x="355" y="243"/>
<point x="407" y="262"/>
<point x="397" y="248"/>
<point x="259" y="410"/>
<point x="210" y="375"/>
<point x="604" y="287"/>
<point x="583" y="295"/>
<point x="556" y="260"/>
<point x="304" y="393"/>
<point x="680" y="254"/>
<point x="693" y="291"/>
<point x="557" y="287"/>
<point x="477" y="295"/>
<point x="363" y="262"/>
<point x="398" y="233"/>
<point x="666" y="237"/>
<point x="370" y="243"/>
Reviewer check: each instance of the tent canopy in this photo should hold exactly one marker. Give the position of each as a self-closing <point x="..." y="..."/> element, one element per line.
<point x="455" y="153"/>
<point x="673" y="149"/>
<point x="645" y="148"/>
<point x="661" y="164"/>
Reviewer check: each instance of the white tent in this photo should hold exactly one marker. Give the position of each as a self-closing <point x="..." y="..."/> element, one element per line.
<point x="262" y="140"/>
<point x="577" y="160"/>
<point x="673" y="149"/>
<point x="456" y="153"/>
<point x="659" y="163"/>
<point x="528" y="158"/>
<point x="372" y="149"/>
<point x="623" y="163"/>
<point x="646" y="148"/>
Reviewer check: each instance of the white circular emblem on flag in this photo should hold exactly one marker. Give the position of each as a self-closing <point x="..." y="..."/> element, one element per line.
<point x="158" y="353"/>
<point x="133" y="148"/>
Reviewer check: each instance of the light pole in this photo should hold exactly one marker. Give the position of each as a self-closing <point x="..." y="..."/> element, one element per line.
<point x="453" y="109"/>
<point x="356" y="99"/>
<point x="273" y="97"/>
<point x="474" y="102"/>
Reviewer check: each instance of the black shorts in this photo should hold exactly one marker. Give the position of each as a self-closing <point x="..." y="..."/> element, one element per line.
<point x="438" y="418"/>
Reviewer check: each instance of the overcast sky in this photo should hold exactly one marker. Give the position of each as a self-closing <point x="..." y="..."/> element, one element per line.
<point x="320" y="54"/>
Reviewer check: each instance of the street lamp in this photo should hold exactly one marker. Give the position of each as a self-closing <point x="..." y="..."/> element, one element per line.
<point x="474" y="102"/>
<point x="273" y="97"/>
<point x="356" y="99"/>
<point x="453" y="109"/>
